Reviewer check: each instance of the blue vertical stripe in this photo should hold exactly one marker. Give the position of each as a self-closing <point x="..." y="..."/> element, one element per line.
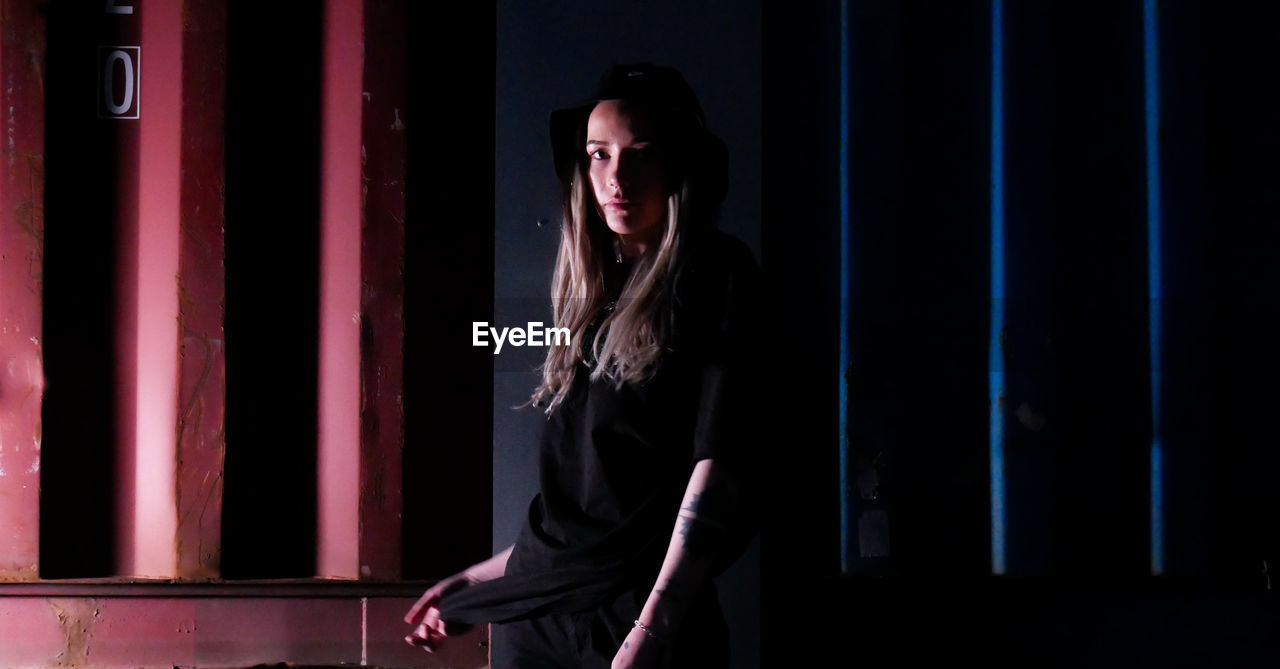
<point x="995" y="354"/>
<point x="846" y="501"/>
<point x="1151" y="73"/>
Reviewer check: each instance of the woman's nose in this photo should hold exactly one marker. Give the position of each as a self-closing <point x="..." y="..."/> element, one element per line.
<point x="612" y="176"/>
<point x="623" y="169"/>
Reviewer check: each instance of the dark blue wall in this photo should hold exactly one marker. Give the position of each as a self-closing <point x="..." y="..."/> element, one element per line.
<point x="1087" y="387"/>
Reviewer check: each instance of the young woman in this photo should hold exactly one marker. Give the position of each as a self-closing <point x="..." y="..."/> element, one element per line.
<point x="648" y="452"/>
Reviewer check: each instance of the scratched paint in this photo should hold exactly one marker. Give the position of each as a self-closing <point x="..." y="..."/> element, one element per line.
<point x="202" y="364"/>
<point x="382" y="296"/>
<point x="22" y="57"/>
<point x="77" y="619"/>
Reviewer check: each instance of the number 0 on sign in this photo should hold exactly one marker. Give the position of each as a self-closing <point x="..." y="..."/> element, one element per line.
<point x="119" y="79"/>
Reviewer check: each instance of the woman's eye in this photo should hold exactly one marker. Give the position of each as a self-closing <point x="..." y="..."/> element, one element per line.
<point x="598" y="154"/>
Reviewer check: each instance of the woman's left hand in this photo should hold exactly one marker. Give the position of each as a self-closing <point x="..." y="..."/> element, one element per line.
<point x="640" y="651"/>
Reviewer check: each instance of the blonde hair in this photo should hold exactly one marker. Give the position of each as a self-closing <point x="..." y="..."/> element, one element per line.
<point x="632" y="337"/>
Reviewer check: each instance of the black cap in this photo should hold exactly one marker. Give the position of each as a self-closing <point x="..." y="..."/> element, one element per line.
<point x="657" y="86"/>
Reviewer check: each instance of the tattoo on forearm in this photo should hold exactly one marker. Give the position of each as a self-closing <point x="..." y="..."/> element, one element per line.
<point x="708" y="505"/>
<point x="702" y="523"/>
<point x="669" y="590"/>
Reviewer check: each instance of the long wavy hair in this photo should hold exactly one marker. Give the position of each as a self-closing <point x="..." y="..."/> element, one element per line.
<point x="634" y="334"/>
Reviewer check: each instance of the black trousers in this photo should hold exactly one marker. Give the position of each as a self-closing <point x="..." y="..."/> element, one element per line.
<point x="589" y="639"/>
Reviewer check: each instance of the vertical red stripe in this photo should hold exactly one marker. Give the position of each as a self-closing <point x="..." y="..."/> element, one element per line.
<point x="382" y="327"/>
<point x="156" y="350"/>
<point x="22" y="58"/>
<point x="201" y="289"/>
<point x="339" y="402"/>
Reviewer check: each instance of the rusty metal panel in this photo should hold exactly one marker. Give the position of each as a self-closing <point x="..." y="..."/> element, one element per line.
<point x="43" y="632"/>
<point x="22" y="60"/>
<point x="117" y="632"/>
<point x="96" y="632"/>
<point x="382" y="298"/>
<point x="110" y="632"/>
<point x="201" y="443"/>
<point x="241" y="632"/>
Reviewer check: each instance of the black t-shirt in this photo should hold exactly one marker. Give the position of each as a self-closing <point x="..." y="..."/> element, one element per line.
<point x="615" y="462"/>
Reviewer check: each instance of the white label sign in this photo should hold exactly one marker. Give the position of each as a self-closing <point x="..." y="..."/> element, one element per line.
<point x="119" y="82"/>
<point x="113" y="7"/>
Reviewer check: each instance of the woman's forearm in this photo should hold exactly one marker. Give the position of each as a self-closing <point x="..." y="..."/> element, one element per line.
<point x="489" y="569"/>
<point x="702" y="529"/>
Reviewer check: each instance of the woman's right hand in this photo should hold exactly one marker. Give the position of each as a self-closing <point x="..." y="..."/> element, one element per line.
<point x="429" y="630"/>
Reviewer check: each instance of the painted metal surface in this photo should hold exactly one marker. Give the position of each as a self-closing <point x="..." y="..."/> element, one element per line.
<point x="383" y="155"/>
<point x="1151" y="106"/>
<point x="109" y="633"/>
<point x="337" y="529"/>
<point x="156" y="350"/>
<point x="119" y="158"/>
<point x="201" y="441"/>
<point x="167" y="172"/>
<point x="996" y="390"/>
<point x="847" y="512"/>
<point x="22" y="58"/>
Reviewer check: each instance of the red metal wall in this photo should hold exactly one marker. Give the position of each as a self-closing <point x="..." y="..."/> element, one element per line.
<point x="153" y="489"/>
<point x="21" y="268"/>
<point x="201" y="291"/>
<point x="119" y="631"/>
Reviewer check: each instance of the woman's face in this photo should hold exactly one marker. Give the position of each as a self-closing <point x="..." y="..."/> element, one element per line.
<point x="627" y="170"/>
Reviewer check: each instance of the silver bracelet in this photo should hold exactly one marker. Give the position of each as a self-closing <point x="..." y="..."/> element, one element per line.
<point x="647" y="631"/>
